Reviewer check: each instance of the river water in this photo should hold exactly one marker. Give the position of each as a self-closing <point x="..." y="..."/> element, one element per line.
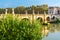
<point x="51" y="32"/>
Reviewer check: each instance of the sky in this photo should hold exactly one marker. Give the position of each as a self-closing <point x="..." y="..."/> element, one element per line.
<point x="26" y="3"/>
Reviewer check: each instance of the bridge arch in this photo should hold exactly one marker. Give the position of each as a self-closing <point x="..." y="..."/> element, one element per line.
<point x="26" y="19"/>
<point x="53" y="17"/>
<point x="40" y="19"/>
<point x="48" y="18"/>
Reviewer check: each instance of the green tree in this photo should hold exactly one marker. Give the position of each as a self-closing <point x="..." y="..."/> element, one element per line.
<point x="20" y="9"/>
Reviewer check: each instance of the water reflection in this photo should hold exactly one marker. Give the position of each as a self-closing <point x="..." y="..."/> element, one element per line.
<point x="45" y="31"/>
<point x="54" y="27"/>
<point x="48" y="29"/>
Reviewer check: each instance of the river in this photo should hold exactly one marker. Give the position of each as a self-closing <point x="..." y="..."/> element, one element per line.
<point x="51" y="32"/>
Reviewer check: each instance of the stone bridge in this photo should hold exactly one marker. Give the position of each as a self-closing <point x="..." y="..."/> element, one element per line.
<point x="43" y="17"/>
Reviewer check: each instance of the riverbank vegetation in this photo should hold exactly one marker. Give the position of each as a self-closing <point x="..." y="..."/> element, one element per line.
<point x="13" y="28"/>
<point x="55" y="21"/>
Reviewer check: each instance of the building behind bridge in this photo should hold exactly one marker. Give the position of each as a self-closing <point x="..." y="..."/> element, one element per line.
<point x="54" y="10"/>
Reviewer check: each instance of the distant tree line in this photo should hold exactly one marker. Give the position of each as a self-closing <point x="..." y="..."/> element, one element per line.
<point x="22" y="9"/>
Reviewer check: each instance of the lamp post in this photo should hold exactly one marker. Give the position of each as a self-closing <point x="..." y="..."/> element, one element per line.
<point x="12" y="10"/>
<point x="44" y="17"/>
<point x="38" y="12"/>
<point x="6" y="11"/>
<point x="26" y="12"/>
<point x="33" y="16"/>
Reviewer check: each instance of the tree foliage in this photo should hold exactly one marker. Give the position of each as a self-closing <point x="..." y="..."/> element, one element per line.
<point x="21" y="9"/>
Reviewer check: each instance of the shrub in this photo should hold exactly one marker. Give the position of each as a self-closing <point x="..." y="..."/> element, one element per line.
<point x="14" y="29"/>
<point x="57" y="20"/>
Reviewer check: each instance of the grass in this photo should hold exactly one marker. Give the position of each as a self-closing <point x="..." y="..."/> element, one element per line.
<point x="12" y="28"/>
